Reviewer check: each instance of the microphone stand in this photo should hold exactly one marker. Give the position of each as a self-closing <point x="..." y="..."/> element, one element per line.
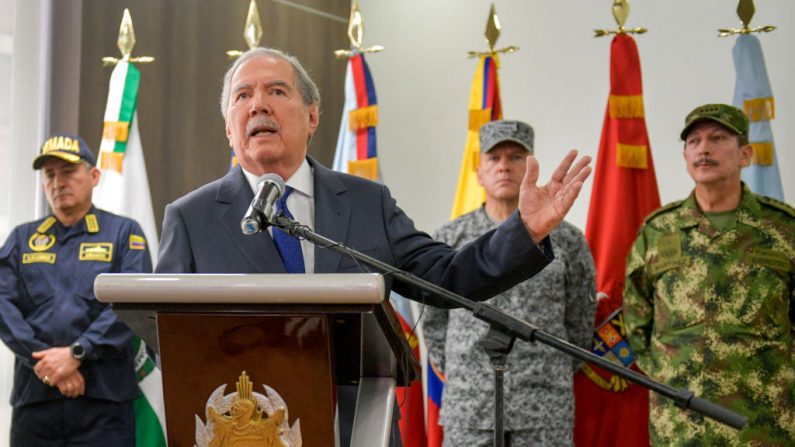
<point x="504" y="329"/>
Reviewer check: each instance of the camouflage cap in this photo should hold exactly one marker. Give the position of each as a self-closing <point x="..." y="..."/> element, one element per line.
<point x="65" y="146"/>
<point x="496" y="132"/>
<point x="729" y="116"/>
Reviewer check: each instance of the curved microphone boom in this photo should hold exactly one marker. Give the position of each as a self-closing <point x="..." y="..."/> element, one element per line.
<point x="262" y="209"/>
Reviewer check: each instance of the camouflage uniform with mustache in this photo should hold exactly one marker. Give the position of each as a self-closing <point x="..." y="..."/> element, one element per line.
<point x="711" y="309"/>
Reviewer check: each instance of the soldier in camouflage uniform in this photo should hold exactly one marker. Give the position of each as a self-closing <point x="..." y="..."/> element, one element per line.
<point x="709" y="302"/>
<point x="539" y="401"/>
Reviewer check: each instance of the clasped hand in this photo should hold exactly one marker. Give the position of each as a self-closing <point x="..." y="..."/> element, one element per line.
<point x="56" y="367"/>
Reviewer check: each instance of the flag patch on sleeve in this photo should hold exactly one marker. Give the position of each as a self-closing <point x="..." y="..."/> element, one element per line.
<point x="137" y="242"/>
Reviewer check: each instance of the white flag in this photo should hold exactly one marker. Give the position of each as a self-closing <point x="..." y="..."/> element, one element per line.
<point x="124" y="189"/>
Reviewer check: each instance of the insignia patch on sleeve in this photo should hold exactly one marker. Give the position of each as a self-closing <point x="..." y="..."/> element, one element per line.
<point x="96" y="251"/>
<point x="30" y="258"/>
<point x="770" y="258"/>
<point x="137" y="242"/>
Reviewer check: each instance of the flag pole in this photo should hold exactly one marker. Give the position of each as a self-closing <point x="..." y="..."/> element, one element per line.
<point x="496" y="343"/>
<point x="121" y="147"/>
<point x="252" y="31"/>
<point x="754" y="95"/>
<point x="356" y="35"/>
<point x="126" y="43"/>
<point x="746" y="11"/>
<point x="356" y="152"/>
<point x="621" y="11"/>
<point x="624" y="192"/>
<point x="252" y="34"/>
<point x="484" y="105"/>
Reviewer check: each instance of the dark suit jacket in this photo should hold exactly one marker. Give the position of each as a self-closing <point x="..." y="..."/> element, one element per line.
<point x="201" y="234"/>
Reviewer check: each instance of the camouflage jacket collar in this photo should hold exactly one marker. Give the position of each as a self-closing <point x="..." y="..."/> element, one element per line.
<point x="690" y="215"/>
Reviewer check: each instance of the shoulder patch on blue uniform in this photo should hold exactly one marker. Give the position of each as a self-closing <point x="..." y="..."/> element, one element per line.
<point x="137" y="242"/>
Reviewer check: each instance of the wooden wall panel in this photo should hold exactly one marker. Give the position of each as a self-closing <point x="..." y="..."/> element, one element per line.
<point x="182" y="130"/>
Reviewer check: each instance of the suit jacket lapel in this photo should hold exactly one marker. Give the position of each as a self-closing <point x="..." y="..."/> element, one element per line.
<point x="234" y="197"/>
<point x="332" y="215"/>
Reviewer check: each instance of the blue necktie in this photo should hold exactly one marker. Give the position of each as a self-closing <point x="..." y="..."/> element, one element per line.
<point x="289" y="247"/>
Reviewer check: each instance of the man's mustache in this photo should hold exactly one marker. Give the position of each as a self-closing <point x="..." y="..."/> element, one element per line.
<point x="261" y="122"/>
<point x="705" y="161"/>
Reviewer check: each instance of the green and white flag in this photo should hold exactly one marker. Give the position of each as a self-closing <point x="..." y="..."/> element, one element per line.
<point x="150" y="420"/>
<point x="124" y="186"/>
<point x="124" y="189"/>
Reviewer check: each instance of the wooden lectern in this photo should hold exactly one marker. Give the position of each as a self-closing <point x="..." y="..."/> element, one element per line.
<point x="299" y="335"/>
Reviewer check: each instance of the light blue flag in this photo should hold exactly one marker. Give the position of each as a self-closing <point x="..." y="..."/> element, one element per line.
<point x="753" y="94"/>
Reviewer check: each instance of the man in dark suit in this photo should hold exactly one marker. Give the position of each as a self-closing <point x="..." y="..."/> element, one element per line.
<point x="271" y="108"/>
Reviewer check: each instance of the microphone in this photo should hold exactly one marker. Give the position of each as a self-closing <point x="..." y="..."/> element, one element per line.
<point x="269" y="189"/>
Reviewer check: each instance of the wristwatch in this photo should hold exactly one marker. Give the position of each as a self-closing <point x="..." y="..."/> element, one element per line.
<point x="78" y="351"/>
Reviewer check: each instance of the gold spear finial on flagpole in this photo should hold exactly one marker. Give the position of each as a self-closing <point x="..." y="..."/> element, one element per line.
<point x="746" y="11"/>
<point x="252" y="32"/>
<point x="492" y="34"/>
<point x="356" y="35"/>
<point x="126" y="43"/>
<point x="620" y="13"/>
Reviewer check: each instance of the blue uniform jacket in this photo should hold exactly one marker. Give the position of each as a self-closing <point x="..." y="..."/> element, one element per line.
<point x="47" y="300"/>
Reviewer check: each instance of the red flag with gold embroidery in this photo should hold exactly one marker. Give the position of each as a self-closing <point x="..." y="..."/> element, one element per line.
<point x="609" y="411"/>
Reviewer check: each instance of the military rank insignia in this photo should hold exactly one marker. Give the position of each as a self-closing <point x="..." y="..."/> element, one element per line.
<point x="30" y="258"/>
<point x="41" y="241"/>
<point x="96" y="251"/>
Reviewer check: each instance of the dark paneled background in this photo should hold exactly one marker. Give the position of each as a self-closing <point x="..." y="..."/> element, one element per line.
<point x="182" y="130"/>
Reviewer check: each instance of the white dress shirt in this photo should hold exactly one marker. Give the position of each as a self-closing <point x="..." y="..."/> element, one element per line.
<point x="301" y="203"/>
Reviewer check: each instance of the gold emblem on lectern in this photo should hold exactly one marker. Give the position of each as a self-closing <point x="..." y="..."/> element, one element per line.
<point x="246" y="419"/>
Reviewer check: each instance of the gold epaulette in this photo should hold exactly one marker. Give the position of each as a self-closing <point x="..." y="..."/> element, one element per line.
<point x="48" y="222"/>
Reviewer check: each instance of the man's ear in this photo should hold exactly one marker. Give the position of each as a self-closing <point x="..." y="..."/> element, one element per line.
<point x="746" y="155"/>
<point x="478" y="174"/>
<point x="229" y="134"/>
<point x="314" y="117"/>
<point x="95" y="174"/>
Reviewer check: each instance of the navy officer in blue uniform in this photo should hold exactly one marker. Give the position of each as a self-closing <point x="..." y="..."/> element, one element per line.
<point x="74" y="376"/>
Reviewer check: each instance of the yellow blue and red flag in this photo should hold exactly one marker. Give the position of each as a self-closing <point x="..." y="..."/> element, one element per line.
<point x="484" y="106"/>
<point x="357" y="154"/>
<point x="753" y="94"/>
<point x="435" y="386"/>
<point x="356" y="145"/>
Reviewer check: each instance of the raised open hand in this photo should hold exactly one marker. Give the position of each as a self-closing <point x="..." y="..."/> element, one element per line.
<point x="543" y="207"/>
